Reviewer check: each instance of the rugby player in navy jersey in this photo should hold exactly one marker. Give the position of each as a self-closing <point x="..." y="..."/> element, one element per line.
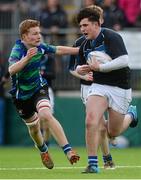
<point x="111" y="89"/>
<point x="30" y="91"/>
<point x="86" y="81"/>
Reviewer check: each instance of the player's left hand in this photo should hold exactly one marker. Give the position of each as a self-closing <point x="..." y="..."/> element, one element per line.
<point x="88" y="76"/>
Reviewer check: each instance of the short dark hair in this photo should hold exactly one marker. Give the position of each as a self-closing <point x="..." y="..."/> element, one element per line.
<point x="89" y="12"/>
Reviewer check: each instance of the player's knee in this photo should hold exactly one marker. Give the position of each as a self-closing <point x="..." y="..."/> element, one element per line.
<point x="44" y="109"/>
<point x="91" y="121"/>
<point x="46" y="116"/>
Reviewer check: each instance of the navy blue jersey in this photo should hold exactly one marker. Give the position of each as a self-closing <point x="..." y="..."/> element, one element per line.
<point x="111" y="43"/>
<point x="74" y="59"/>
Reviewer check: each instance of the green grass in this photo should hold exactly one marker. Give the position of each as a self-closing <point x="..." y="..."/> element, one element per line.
<point x="25" y="163"/>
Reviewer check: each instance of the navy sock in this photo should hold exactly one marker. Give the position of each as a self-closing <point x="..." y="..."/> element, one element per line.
<point x="47" y="143"/>
<point x="107" y="158"/>
<point x="43" y="148"/>
<point x="66" y="148"/>
<point x="93" y="160"/>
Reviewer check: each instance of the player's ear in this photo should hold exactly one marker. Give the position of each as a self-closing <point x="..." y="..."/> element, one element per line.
<point x="101" y="20"/>
<point x="23" y="36"/>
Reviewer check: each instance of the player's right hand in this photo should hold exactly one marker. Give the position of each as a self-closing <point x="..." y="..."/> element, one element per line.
<point x="31" y="52"/>
<point x="83" y="69"/>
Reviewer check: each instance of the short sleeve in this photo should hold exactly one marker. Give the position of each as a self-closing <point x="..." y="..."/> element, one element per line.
<point x="14" y="56"/>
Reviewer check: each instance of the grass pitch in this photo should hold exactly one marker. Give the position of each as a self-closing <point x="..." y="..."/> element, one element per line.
<point x="25" y="163"/>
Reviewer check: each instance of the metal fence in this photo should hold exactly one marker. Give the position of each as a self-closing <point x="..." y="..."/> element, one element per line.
<point x="64" y="80"/>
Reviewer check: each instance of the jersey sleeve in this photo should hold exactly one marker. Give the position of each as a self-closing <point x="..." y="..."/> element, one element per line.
<point x="116" y="46"/>
<point x="14" y="56"/>
<point x="49" y="48"/>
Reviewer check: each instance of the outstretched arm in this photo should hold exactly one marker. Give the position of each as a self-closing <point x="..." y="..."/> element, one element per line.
<point x="66" y="50"/>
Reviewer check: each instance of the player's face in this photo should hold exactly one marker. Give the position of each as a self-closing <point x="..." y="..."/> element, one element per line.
<point x="33" y="37"/>
<point x="89" y="29"/>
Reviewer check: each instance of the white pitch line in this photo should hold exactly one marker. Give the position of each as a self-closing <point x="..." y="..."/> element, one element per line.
<point x="42" y="168"/>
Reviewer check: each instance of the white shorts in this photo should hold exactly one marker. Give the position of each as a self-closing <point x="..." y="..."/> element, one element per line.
<point x="118" y="98"/>
<point x="84" y="92"/>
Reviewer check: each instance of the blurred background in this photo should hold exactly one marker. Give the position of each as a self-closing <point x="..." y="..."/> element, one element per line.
<point x="59" y="27"/>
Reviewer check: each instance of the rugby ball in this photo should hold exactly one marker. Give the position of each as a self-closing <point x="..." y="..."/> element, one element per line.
<point x="100" y="56"/>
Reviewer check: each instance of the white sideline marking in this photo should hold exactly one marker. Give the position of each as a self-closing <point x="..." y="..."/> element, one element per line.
<point x="42" y="168"/>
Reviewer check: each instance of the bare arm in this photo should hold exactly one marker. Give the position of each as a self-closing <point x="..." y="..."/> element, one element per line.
<point x="18" y="66"/>
<point x="66" y="50"/>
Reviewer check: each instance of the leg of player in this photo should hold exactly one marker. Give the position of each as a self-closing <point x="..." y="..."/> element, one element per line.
<point x="44" y="112"/>
<point x="36" y="135"/>
<point x="131" y="121"/>
<point x="119" y="122"/>
<point x="45" y="132"/>
<point x="104" y="141"/>
<point x="93" y="121"/>
<point x="112" y="140"/>
<point x="44" y="126"/>
<point x="104" y="145"/>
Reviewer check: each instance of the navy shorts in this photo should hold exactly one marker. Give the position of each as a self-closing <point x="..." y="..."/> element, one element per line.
<point x="27" y="108"/>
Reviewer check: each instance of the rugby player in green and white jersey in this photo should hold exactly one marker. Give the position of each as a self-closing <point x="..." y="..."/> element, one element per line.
<point x="30" y="91"/>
